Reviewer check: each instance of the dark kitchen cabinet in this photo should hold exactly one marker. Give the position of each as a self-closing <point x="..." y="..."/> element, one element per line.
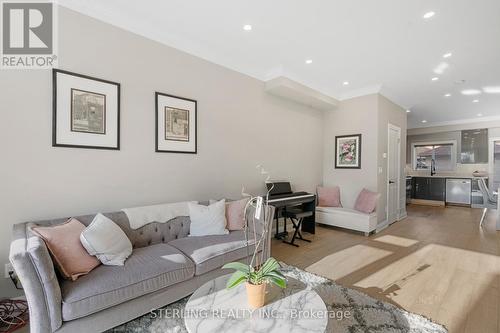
<point x="428" y="188"/>
<point x="437" y="189"/>
<point x="420" y="188"/>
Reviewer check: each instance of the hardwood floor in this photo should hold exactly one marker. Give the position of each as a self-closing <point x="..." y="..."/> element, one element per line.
<point x="437" y="262"/>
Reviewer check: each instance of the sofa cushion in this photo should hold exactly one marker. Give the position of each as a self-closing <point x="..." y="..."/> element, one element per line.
<point x="342" y="210"/>
<point x="104" y="239"/>
<point x="208" y="220"/>
<point x="148" y="269"/>
<point x="212" y="252"/>
<point x="63" y="242"/>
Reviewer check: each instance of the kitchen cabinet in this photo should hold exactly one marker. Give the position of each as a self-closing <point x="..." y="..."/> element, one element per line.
<point x="428" y="188"/>
<point x="409" y="186"/>
<point x="474" y="147"/>
<point x="420" y="188"/>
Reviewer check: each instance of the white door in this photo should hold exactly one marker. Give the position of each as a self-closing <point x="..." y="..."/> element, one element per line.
<point x="393" y="172"/>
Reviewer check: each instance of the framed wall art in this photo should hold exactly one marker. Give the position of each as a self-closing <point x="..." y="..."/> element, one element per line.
<point x="86" y="111"/>
<point x="348" y="152"/>
<point x="175" y="124"/>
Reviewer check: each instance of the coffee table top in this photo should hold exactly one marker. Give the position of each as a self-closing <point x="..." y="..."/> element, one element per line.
<point x="213" y="308"/>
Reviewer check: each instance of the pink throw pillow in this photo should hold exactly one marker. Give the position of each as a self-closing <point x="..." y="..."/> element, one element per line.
<point x="366" y="201"/>
<point x="235" y="214"/>
<point x="63" y="242"/>
<point x="329" y="196"/>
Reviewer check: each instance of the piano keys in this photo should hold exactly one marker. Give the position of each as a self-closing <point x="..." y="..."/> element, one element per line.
<point x="282" y="197"/>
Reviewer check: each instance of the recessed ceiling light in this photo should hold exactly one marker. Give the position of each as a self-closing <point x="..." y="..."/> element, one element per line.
<point x="479" y="114"/>
<point x="441" y="68"/>
<point x="435" y="78"/>
<point x="309" y="61"/>
<point x="424" y="121"/>
<point x="345" y="83"/>
<point x="447" y="95"/>
<point x="475" y="101"/>
<point x="408" y="111"/>
<point x="492" y="90"/>
<point x="247" y="27"/>
<point x="447" y="55"/>
<point x="470" y="92"/>
<point x="428" y="15"/>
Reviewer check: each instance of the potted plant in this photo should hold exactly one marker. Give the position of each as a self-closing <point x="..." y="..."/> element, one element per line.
<point x="256" y="279"/>
<point x="256" y="273"/>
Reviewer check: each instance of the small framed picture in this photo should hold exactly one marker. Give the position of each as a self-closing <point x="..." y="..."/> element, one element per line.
<point x="86" y="111"/>
<point x="348" y="152"/>
<point x="175" y="124"/>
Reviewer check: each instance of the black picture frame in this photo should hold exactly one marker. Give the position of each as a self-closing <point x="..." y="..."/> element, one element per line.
<point x="359" y="142"/>
<point x="54" y="110"/>
<point x="157" y="149"/>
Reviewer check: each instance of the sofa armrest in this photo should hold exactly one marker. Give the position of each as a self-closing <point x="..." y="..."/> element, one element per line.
<point x="33" y="265"/>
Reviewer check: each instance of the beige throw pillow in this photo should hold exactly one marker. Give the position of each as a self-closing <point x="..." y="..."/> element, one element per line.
<point x="63" y="242"/>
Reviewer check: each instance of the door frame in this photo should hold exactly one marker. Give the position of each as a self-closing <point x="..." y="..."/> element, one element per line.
<point x="398" y="182"/>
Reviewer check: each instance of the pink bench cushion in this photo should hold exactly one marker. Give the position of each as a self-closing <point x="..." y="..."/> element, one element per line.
<point x="329" y="196"/>
<point x="366" y="201"/>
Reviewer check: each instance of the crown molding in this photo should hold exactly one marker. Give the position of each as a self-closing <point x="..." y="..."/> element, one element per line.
<point x="369" y="90"/>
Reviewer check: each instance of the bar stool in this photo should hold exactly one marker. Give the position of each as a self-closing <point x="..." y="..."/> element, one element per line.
<point x="296" y="215"/>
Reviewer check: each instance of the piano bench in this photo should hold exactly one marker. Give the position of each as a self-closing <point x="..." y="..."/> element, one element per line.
<point x="296" y="216"/>
<point x="296" y="213"/>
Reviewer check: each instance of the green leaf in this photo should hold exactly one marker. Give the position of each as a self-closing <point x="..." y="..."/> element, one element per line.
<point x="235" y="279"/>
<point x="277" y="281"/>
<point x="237" y="266"/>
<point x="254" y="278"/>
<point x="276" y="274"/>
<point x="270" y="265"/>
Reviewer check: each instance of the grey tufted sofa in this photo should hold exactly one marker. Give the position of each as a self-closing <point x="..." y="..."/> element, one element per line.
<point x="164" y="267"/>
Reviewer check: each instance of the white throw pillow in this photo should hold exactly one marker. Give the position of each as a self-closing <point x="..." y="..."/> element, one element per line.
<point x="104" y="239"/>
<point x="208" y="220"/>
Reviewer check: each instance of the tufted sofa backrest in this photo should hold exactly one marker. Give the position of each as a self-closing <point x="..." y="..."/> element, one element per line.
<point x="152" y="233"/>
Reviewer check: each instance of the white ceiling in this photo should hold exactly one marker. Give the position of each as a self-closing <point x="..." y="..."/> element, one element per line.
<point x="382" y="45"/>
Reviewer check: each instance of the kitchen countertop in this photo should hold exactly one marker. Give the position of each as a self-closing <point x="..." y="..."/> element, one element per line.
<point x="466" y="176"/>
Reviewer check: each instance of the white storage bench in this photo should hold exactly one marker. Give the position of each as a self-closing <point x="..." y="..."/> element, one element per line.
<point x="347" y="218"/>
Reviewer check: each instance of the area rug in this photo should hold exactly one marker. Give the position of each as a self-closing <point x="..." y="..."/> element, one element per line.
<point x="366" y="314"/>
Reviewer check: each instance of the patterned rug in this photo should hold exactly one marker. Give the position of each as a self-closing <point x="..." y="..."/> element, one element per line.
<point x="365" y="314"/>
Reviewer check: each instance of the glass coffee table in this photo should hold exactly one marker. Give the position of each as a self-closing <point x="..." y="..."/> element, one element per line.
<point x="214" y="309"/>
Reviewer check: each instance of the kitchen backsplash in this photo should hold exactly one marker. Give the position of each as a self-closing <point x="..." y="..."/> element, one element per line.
<point x="461" y="169"/>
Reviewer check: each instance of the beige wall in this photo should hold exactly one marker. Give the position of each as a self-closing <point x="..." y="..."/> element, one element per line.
<point x="239" y="126"/>
<point x="390" y="113"/>
<point x="354" y="116"/>
<point x="368" y="115"/>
